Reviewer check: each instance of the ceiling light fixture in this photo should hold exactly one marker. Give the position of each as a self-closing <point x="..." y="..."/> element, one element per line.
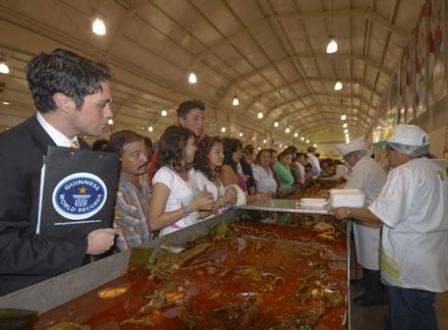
<point x="332" y="46"/>
<point x="241" y="134"/>
<point x="287" y="130"/>
<point x="98" y="26"/>
<point x="346" y="130"/>
<point x="192" y="78"/>
<point x="4" y="68"/>
<point x="235" y="101"/>
<point x="223" y="129"/>
<point x="338" y="85"/>
<point x="150" y="129"/>
<point x="275" y="123"/>
<point x="110" y="121"/>
<point x="296" y="135"/>
<point x="260" y="115"/>
<point x="6" y="102"/>
<point x="265" y="141"/>
<point x="315" y="145"/>
<point x="307" y="141"/>
<point x="164" y="113"/>
<point x="343" y="117"/>
<point x="344" y="125"/>
<point x="302" y="138"/>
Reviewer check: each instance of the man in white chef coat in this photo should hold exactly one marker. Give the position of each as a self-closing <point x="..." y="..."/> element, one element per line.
<point x="367" y="176"/>
<point x="413" y="208"/>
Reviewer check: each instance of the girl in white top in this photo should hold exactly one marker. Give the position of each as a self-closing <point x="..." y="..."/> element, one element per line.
<point x="173" y="203"/>
<point x="264" y="178"/>
<point x="206" y="175"/>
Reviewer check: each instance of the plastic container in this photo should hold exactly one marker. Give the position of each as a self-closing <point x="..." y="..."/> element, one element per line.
<point x="346" y="197"/>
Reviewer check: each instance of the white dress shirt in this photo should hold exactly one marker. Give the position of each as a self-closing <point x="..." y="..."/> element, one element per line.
<point x="58" y="138"/>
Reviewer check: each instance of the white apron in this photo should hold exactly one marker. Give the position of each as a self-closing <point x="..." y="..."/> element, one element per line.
<point x="367" y="243"/>
<point x="368" y="176"/>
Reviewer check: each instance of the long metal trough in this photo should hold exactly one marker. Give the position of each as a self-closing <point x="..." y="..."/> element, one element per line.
<point x="54" y="292"/>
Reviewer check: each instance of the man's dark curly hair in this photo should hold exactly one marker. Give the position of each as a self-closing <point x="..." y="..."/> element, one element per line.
<point x="171" y="147"/>
<point x="201" y="161"/>
<point x="64" y="72"/>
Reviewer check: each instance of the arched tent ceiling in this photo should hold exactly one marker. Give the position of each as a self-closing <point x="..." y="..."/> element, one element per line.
<point x="271" y="53"/>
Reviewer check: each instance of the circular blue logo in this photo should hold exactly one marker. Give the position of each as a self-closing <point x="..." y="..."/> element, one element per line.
<point x="79" y="196"/>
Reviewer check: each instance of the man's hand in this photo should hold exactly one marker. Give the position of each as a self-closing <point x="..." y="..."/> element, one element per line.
<point x="100" y="240"/>
<point x="362" y="214"/>
<point x="340" y="213"/>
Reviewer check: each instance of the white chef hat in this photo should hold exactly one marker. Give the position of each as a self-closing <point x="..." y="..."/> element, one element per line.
<point x="356" y="145"/>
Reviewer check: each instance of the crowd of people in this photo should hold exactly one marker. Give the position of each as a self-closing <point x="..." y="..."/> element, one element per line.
<point x="401" y="234"/>
<point x="190" y="176"/>
<point x="186" y="177"/>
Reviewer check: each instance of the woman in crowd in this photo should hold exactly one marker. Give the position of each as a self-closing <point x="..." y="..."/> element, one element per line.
<point x="246" y="166"/>
<point x="173" y="205"/>
<point x="300" y="163"/>
<point x="283" y="171"/>
<point x="231" y="173"/>
<point x="206" y="175"/>
<point x="274" y="155"/>
<point x="231" y="170"/>
<point x="263" y="174"/>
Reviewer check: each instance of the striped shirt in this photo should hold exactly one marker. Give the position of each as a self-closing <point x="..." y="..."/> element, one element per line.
<point x="131" y="213"/>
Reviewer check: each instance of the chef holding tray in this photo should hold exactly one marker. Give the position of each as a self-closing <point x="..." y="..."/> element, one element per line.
<point x="367" y="176"/>
<point x="412" y="207"/>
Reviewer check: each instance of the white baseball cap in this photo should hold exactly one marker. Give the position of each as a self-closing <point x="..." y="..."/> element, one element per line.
<point x="356" y="145"/>
<point x="410" y="140"/>
<point x="410" y="135"/>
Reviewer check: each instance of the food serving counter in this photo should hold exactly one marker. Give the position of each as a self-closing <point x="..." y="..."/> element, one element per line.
<point x="241" y="269"/>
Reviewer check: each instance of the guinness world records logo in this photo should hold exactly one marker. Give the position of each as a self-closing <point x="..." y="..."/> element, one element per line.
<point x="79" y="196"/>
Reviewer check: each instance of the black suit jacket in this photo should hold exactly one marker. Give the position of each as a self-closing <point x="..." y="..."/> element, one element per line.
<point x="25" y="257"/>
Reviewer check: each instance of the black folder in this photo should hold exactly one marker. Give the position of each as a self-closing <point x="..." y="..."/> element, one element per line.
<point x="77" y="192"/>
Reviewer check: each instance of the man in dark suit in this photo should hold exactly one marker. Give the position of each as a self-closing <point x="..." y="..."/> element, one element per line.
<point x="72" y="96"/>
